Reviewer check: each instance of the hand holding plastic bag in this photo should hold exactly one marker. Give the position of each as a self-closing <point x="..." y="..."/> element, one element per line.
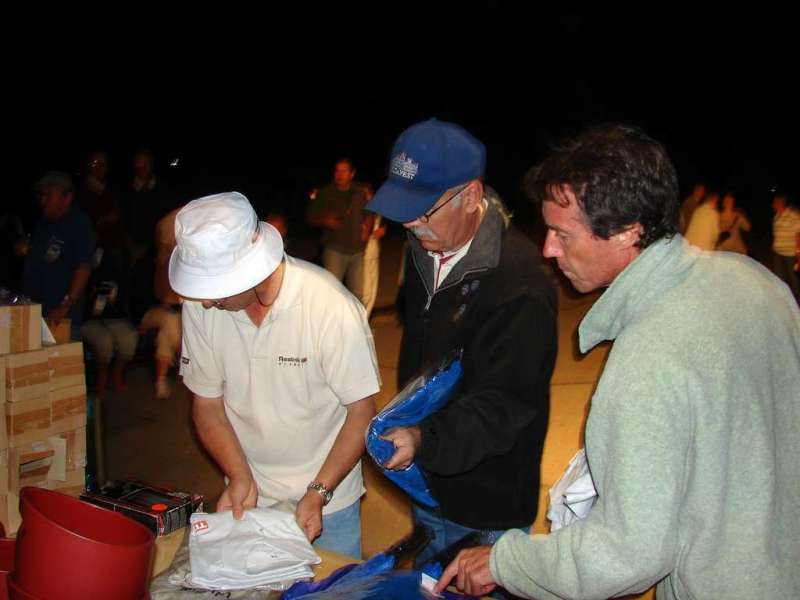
<point x="421" y="397"/>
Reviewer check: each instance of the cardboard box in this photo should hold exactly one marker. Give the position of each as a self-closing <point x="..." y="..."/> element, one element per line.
<point x="61" y="333"/>
<point x="4" y="473"/>
<point x="4" y="513"/>
<point x="65" y="364"/>
<point x="68" y="409"/>
<point x="20" y="328"/>
<point x="27" y="421"/>
<point x="14" y="519"/>
<point x="27" y="376"/>
<point x="160" y="510"/>
<point x="30" y="464"/>
<point x="3" y="432"/>
<point x="75" y="447"/>
<point x="74" y="484"/>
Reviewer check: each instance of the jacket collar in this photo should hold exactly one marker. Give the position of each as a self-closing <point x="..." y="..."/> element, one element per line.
<point x="483" y="254"/>
<point x="640" y="285"/>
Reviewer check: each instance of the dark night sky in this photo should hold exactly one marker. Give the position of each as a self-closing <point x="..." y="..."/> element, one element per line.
<point x="244" y="110"/>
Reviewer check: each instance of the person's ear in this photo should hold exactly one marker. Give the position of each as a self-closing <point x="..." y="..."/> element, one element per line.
<point x="473" y="196"/>
<point x="628" y="237"/>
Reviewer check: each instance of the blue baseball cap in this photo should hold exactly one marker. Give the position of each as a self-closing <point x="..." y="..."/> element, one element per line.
<point x="427" y="159"/>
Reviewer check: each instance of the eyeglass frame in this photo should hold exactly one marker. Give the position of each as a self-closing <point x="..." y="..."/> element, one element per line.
<point x="426" y="217"/>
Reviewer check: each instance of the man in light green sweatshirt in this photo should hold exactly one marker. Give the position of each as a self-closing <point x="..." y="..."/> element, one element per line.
<point x="693" y="437"/>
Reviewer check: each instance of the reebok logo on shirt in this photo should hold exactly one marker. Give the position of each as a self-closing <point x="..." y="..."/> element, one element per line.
<point x="290" y="361"/>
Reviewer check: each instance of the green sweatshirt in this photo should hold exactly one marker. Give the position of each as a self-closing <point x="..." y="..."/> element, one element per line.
<point x="693" y="440"/>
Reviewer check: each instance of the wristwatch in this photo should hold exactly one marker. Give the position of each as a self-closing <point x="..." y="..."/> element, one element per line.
<point x="320" y="488"/>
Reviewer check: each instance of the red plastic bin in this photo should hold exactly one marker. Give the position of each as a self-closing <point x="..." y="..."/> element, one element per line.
<point x="69" y="549"/>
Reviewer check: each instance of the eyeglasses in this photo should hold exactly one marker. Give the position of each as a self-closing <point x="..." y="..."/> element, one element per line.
<point x="427" y="216"/>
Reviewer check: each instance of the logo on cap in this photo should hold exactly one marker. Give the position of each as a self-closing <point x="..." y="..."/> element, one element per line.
<point x="404" y="167"/>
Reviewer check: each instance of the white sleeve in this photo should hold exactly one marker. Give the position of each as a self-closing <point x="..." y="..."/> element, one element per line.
<point x="198" y="367"/>
<point x="347" y="349"/>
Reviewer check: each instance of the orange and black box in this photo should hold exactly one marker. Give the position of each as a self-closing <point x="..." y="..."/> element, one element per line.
<point x="159" y="509"/>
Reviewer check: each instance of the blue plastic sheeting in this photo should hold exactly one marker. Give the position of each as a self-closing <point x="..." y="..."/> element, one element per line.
<point x="424" y="395"/>
<point x="393" y="585"/>
<point x="373" y="579"/>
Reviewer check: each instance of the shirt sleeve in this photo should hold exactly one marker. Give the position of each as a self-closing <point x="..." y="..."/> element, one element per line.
<point x="348" y="354"/>
<point x="198" y="367"/>
<point x="639" y="428"/>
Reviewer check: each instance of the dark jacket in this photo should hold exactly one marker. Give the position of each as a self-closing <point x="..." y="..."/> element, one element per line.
<point x="482" y="451"/>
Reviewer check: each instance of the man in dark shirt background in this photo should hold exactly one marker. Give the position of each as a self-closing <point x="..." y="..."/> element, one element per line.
<point x="338" y="208"/>
<point x="58" y="263"/>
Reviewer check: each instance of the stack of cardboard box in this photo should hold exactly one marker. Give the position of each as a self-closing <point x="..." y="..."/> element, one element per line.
<point x="43" y="397"/>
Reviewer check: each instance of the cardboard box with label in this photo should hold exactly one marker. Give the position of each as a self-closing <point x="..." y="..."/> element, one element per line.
<point x="75" y="441"/>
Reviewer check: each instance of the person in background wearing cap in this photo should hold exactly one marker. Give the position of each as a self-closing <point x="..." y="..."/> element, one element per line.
<point x="338" y="208"/>
<point x="692" y="434"/>
<point x="58" y="263"/>
<point x="472" y="282"/>
<point x="282" y="365"/>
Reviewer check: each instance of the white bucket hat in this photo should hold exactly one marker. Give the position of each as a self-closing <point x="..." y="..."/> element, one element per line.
<point x="222" y="248"/>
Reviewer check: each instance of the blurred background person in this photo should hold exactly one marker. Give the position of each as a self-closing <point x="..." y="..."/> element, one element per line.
<point x="703" y="229"/>
<point x="58" y="263"/>
<point x="732" y="222"/>
<point x="96" y="197"/>
<point x="786" y="241"/>
<point x="338" y="209"/>
<point x="690" y="204"/>
<point x="165" y="314"/>
<point x="108" y="330"/>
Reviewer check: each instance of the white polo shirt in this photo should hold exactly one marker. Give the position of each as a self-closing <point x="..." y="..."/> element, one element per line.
<point x="286" y="383"/>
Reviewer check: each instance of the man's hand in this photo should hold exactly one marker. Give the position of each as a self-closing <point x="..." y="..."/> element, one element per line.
<point x="241" y="494"/>
<point x="406" y="441"/>
<point x="472" y="572"/>
<point x="55" y="316"/>
<point x="309" y="514"/>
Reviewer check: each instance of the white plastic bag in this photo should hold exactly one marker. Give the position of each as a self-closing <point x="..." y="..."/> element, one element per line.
<point x="574" y="495"/>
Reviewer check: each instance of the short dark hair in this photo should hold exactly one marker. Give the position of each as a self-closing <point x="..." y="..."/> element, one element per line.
<point x="619" y="175"/>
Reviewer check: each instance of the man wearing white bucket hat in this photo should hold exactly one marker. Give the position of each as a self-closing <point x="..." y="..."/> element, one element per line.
<point x="281" y="362"/>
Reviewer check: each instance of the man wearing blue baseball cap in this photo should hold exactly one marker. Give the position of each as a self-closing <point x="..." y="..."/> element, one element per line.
<point x="473" y="282"/>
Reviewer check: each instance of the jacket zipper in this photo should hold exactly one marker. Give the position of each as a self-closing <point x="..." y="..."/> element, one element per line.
<point x="425" y="283"/>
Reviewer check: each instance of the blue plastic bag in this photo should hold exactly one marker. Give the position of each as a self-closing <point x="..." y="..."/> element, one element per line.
<point x="392" y="585"/>
<point x="421" y="397"/>
<point x="373" y="579"/>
